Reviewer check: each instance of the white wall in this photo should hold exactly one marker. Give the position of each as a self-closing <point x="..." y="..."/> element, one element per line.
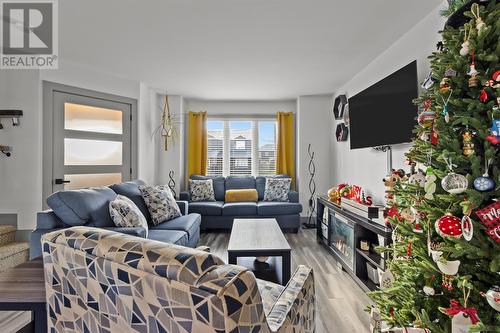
<point x="240" y="107"/>
<point x="173" y="158"/>
<point x="21" y="174"/>
<point x="313" y="127"/>
<point x="366" y="167"/>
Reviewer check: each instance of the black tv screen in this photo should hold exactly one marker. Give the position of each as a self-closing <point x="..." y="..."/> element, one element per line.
<point x="384" y="113"/>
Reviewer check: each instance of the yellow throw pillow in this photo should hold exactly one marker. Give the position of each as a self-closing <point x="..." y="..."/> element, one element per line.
<point x="242" y="195"/>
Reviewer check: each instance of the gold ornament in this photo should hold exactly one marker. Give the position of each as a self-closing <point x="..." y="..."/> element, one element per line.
<point x="468" y="145"/>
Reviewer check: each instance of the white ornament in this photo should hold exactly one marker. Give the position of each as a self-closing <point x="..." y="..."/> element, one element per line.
<point x="417" y="179"/>
<point x="375" y="321"/>
<point x="448" y="267"/>
<point x="429" y="291"/>
<point x="454" y="183"/>
<point x="467" y="228"/>
<point x="493" y="297"/>
<point x="460" y="323"/>
<point x="465" y="48"/>
<point x="387" y="280"/>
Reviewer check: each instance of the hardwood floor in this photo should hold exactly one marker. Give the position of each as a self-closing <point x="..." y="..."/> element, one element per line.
<point x="340" y="302"/>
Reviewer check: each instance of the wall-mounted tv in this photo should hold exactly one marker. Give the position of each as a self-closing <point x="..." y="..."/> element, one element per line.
<point x="384" y="114"/>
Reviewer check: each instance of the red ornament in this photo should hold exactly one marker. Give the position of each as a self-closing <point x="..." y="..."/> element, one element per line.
<point x="434" y="136"/>
<point x="409" y="249"/>
<point x="496" y="76"/>
<point x="490" y="217"/>
<point x="493" y="139"/>
<point x="449" y="226"/>
<point x="483" y="97"/>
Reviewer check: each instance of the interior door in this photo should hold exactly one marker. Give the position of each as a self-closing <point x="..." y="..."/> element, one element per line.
<point x="91" y="141"/>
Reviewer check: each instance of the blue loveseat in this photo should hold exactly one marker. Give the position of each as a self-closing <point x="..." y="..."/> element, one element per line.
<point x="89" y="207"/>
<point x="220" y="215"/>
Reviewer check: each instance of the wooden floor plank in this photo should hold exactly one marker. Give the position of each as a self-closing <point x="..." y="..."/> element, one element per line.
<point x="340" y="302"/>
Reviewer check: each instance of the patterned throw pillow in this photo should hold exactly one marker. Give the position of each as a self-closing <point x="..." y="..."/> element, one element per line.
<point x="201" y="190"/>
<point x="126" y="214"/>
<point x="277" y="189"/>
<point x="161" y="203"/>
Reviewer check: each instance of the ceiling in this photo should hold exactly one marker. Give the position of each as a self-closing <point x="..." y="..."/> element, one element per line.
<point x="234" y="49"/>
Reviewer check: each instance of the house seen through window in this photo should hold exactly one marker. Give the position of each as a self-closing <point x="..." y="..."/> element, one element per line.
<point x="241" y="147"/>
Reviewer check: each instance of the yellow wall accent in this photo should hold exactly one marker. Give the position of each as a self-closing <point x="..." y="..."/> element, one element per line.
<point x="197" y="144"/>
<point x="285" y="159"/>
<point x="241" y="195"/>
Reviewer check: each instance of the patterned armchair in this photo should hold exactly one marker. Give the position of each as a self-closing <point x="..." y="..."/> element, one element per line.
<point x="102" y="281"/>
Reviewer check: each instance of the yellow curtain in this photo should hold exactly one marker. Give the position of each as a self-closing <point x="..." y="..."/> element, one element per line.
<point x="285" y="159"/>
<point x="197" y="144"/>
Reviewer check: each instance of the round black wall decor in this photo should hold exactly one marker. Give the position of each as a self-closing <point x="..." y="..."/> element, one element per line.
<point x="339" y="105"/>
<point x="341" y="132"/>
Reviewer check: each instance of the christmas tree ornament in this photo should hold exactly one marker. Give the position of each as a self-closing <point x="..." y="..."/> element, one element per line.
<point x="426" y="118"/>
<point x="467" y="227"/>
<point x="444" y="85"/>
<point x="430" y="184"/>
<point x="429" y="290"/>
<point x="473" y="81"/>
<point x="434" y="136"/>
<point x="462" y="318"/>
<point x="445" y="112"/>
<point x="465" y="45"/>
<point x="409" y="249"/>
<point x="375" y="320"/>
<point x="484" y="183"/>
<point x="407" y="215"/>
<point x="490" y="218"/>
<point x="494" y="138"/>
<point x="496" y="77"/>
<point x="493" y="297"/>
<point x="483" y="96"/>
<point x="447" y="268"/>
<point x="480" y="25"/>
<point x="453" y="183"/>
<point x="449" y="226"/>
<point x="450" y="72"/>
<point x="417" y="178"/>
<point x="468" y="145"/>
<point x="428" y="82"/>
<point x="386" y="279"/>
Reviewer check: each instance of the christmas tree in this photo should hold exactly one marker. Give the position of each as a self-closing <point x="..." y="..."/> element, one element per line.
<point x="444" y="261"/>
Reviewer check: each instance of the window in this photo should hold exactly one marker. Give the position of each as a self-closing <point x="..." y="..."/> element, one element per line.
<point x="241" y="147"/>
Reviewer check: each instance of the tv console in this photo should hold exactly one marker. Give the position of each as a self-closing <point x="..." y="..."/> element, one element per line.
<point x="342" y="231"/>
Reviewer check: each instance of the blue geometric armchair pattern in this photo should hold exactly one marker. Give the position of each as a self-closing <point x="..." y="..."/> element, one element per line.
<point x="102" y="281"/>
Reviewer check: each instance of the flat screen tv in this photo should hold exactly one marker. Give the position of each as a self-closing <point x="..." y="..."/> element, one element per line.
<point x="384" y="114"/>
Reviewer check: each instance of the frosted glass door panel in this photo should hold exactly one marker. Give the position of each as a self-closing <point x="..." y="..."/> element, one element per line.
<point x="78" y="181"/>
<point x="87" y="118"/>
<point x="92" y="152"/>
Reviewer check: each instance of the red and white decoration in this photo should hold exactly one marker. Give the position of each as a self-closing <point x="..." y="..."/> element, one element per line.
<point x="490" y="217"/>
<point x="449" y="226"/>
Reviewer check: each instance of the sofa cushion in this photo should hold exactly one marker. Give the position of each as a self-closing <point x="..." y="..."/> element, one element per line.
<point x="126" y="214"/>
<point x="131" y="191"/>
<point x="219" y="183"/>
<point x="176" y="237"/>
<point x="83" y="207"/>
<point x="208" y="208"/>
<point x="161" y="203"/>
<point x="269" y="208"/>
<point x="239" y="208"/>
<point x="277" y="189"/>
<point x="47" y="220"/>
<point x="242" y="195"/>
<point x="201" y="190"/>
<point x="189" y="223"/>
<point x="240" y="182"/>
<point x="260" y="184"/>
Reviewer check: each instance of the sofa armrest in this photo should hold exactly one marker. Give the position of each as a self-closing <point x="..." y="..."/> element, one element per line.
<point x="203" y="248"/>
<point x="183" y="206"/>
<point x="184" y="196"/>
<point x="295" y="304"/>
<point x="293" y="196"/>
<point x="132" y="231"/>
<point x="47" y="220"/>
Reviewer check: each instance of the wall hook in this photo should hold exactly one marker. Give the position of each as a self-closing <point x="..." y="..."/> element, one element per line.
<point x="6" y="150"/>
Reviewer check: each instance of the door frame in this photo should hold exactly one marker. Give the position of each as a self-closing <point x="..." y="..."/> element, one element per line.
<point x="48" y="128"/>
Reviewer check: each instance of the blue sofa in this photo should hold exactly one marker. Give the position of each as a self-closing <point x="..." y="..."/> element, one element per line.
<point x="89" y="207"/>
<point x="216" y="215"/>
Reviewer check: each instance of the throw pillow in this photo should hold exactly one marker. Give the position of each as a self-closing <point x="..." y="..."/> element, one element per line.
<point x="201" y="190"/>
<point x="160" y="202"/>
<point x="243" y="195"/>
<point x="277" y="189"/>
<point x="126" y="214"/>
